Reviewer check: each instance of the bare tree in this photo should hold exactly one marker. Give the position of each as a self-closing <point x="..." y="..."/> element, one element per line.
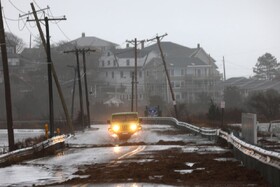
<point x="14" y="40"/>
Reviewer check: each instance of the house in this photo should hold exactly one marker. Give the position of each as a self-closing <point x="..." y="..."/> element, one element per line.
<point x="250" y="85"/>
<point x="13" y="58"/>
<point x="192" y="72"/>
<point x="115" y="72"/>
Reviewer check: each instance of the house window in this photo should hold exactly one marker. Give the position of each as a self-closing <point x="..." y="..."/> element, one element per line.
<point x="172" y="72"/>
<point x="106" y="74"/>
<point x="199" y="72"/>
<point x="108" y="54"/>
<point x="115" y="63"/>
<point x="121" y="74"/>
<point x="140" y="74"/>
<point x="182" y="84"/>
<point x="127" y="62"/>
<point x="177" y="84"/>
<point x="113" y="74"/>
<point x="182" y="72"/>
<point x="108" y="63"/>
<point x="10" y="50"/>
<point x="103" y="63"/>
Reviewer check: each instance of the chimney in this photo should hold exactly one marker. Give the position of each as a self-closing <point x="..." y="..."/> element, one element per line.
<point x="127" y="45"/>
<point x="142" y="44"/>
<point x="83" y="35"/>
<point x="198" y="46"/>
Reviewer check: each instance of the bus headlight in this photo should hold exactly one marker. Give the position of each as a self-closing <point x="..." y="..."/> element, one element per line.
<point x="115" y="127"/>
<point x="133" y="127"/>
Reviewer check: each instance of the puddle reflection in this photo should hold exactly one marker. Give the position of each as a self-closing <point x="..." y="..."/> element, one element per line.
<point x="117" y="149"/>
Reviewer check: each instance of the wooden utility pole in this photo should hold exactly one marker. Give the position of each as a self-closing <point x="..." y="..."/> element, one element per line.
<point x="224" y="68"/>
<point x="135" y="74"/>
<point x="80" y="88"/>
<point x="73" y="93"/>
<point x="132" y="90"/>
<point x="69" y="121"/>
<point x="86" y="85"/>
<point x="135" y="42"/>
<point x="158" y="38"/>
<point x="83" y="51"/>
<point x="49" y="60"/>
<point x="7" y="84"/>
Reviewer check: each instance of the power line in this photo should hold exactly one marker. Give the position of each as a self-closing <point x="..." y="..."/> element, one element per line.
<point x="16" y="7"/>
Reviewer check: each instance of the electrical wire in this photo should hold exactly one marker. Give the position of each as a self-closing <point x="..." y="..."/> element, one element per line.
<point x="24" y="25"/>
<point x="16" y="7"/>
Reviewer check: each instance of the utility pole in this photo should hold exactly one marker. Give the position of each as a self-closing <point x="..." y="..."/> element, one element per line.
<point x="73" y="93"/>
<point x="86" y="85"/>
<point x="224" y="68"/>
<point x="49" y="60"/>
<point x="132" y="90"/>
<point x="7" y="85"/>
<point x="158" y="38"/>
<point x="69" y="122"/>
<point x="83" y="51"/>
<point x="135" y="42"/>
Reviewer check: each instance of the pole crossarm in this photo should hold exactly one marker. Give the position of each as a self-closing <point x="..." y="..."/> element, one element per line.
<point x="80" y="50"/>
<point x="30" y="13"/>
<point x="155" y="38"/>
<point x="50" y="19"/>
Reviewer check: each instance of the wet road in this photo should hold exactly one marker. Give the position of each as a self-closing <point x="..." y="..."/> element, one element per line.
<point x="83" y="151"/>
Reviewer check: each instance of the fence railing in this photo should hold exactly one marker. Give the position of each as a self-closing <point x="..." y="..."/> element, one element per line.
<point x="267" y="157"/>
<point x="266" y="162"/>
<point x="29" y="151"/>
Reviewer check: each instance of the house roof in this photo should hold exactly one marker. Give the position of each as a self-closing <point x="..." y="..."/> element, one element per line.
<point x="183" y="61"/>
<point x="92" y="41"/>
<point x="171" y="48"/>
<point x="180" y="55"/>
<point x="252" y="84"/>
<point x="31" y="55"/>
<point x="128" y="53"/>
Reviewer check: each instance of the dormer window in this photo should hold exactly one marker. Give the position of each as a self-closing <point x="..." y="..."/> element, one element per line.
<point x="127" y="62"/>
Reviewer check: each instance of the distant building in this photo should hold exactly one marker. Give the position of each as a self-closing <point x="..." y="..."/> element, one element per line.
<point x="92" y="42"/>
<point x="192" y="72"/>
<point x="247" y="86"/>
<point x="115" y="69"/>
<point x="13" y="58"/>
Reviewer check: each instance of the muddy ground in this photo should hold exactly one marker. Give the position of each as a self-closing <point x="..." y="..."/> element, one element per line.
<point x="163" y="167"/>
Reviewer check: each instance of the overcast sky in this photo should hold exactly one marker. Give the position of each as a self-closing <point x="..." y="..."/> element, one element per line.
<point x="239" y="30"/>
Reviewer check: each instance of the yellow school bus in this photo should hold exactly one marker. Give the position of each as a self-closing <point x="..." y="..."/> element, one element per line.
<point x="124" y="124"/>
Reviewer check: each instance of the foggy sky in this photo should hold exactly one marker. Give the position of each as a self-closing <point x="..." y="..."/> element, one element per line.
<point x="240" y="30"/>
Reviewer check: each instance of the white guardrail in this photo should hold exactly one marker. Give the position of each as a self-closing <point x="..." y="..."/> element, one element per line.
<point x="30" y="150"/>
<point x="268" y="157"/>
